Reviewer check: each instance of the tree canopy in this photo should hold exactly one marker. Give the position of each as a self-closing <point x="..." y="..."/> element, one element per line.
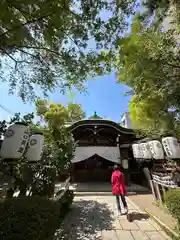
<point x="149" y="63"/>
<point x="159" y="10"/>
<point x="57" y="115"/>
<point x="75" y="112"/>
<point x="150" y="117"/>
<point x="48" y="42"/>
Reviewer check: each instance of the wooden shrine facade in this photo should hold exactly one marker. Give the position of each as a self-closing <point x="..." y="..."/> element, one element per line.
<point x="101" y="144"/>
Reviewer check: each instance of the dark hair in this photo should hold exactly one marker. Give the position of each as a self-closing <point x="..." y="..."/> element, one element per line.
<point x="116" y="167"/>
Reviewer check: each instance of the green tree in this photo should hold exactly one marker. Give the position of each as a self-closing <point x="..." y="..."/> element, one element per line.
<point x="45" y="42"/>
<point x="75" y="112"/>
<point x="151" y="117"/>
<point x="53" y="114"/>
<point x="57" y="114"/>
<point x="149" y="64"/>
<point x="160" y="10"/>
<point x="60" y="145"/>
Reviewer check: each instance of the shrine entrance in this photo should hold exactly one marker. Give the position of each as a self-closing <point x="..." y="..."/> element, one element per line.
<point x="100" y="144"/>
<point x="94" y="163"/>
<point x="93" y="169"/>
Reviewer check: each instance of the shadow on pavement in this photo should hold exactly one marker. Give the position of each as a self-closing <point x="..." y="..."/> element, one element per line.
<point x="137" y="216"/>
<point x="85" y="221"/>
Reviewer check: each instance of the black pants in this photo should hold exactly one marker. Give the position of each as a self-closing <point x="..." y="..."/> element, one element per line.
<point x="123" y="199"/>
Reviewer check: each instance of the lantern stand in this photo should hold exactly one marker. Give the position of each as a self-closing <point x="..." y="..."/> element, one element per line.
<point x="31" y="142"/>
<point x="10" y="191"/>
<point x="11" y="164"/>
<point x="13" y="146"/>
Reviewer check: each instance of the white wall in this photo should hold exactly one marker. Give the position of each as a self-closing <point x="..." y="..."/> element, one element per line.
<point x="126" y="121"/>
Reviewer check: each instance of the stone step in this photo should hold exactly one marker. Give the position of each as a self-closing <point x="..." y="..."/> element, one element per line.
<point x="99" y="193"/>
<point x="102" y="189"/>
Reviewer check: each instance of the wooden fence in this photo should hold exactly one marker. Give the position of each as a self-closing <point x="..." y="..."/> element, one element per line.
<point x="159" y="189"/>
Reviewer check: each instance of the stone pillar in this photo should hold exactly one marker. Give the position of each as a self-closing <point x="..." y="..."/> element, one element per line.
<point x="126" y="177"/>
<point x="125" y="165"/>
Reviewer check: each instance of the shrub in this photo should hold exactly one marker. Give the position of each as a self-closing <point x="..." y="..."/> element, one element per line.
<point x="65" y="202"/>
<point x="172" y="201"/>
<point x="30" y="218"/>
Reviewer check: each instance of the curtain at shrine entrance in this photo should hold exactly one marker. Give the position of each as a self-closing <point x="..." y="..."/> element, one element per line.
<point x="109" y="153"/>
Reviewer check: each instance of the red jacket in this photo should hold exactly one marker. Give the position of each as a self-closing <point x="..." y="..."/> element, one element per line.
<point x="118" y="185"/>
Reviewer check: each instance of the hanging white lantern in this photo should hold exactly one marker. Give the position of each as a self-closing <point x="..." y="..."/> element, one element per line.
<point x="156" y="149"/>
<point x="146" y="151"/>
<point x="139" y="152"/>
<point x="142" y="147"/>
<point x="125" y="163"/>
<point x="134" y="148"/>
<point x="35" y="147"/>
<point x="15" y="141"/>
<point x="171" y="147"/>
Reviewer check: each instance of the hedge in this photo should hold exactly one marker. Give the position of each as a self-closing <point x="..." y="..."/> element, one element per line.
<point x="32" y="218"/>
<point x="172" y="201"/>
<point x="65" y="202"/>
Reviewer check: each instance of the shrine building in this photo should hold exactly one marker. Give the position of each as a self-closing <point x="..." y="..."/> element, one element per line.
<point x="101" y="144"/>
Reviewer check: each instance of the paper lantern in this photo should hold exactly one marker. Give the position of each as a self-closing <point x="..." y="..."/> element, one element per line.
<point x="15" y="141"/>
<point x="171" y="147"/>
<point x="156" y="149"/>
<point x="146" y="152"/>
<point x="134" y="148"/>
<point x="35" y="147"/>
<point x="125" y="163"/>
<point x="139" y="152"/>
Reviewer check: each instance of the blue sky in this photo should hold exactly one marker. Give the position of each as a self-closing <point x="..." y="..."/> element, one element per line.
<point x="104" y="96"/>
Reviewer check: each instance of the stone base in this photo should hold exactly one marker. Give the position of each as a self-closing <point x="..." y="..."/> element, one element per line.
<point x="102" y="188"/>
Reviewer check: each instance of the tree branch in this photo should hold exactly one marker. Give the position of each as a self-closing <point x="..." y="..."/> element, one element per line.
<point x="35" y="47"/>
<point x="174" y="76"/>
<point x="33" y="20"/>
<point x="24" y="24"/>
<point x="35" y="57"/>
<point x="172" y="65"/>
<point x="30" y="54"/>
<point x="14" y="60"/>
<point x="44" y="48"/>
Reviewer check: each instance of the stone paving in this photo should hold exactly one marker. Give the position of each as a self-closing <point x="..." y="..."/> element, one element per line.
<point x="145" y="201"/>
<point x="95" y="218"/>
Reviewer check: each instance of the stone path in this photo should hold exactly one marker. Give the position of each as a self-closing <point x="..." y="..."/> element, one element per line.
<point x="94" y="218"/>
<point x="145" y="201"/>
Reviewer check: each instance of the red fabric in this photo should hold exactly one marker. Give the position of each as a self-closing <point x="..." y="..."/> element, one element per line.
<point x="118" y="185"/>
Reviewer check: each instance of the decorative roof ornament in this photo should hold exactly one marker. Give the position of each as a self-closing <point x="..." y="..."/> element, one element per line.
<point x="95" y="116"/>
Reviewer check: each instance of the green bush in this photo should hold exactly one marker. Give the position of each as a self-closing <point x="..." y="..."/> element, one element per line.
<point x="30" y="218"/>
<point x="172" y="201"/>
<point x="65" y="202"/>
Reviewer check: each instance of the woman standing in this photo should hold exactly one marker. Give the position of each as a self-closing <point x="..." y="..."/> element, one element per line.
<point x="118" y="189"/>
